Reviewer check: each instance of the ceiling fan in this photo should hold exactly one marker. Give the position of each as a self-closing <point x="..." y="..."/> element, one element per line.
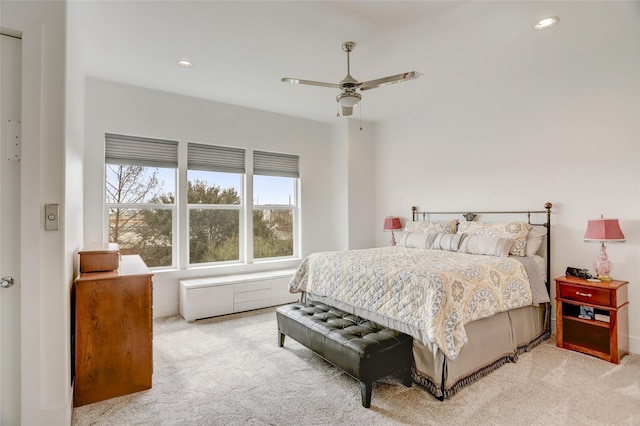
<point x="349" y="97"/>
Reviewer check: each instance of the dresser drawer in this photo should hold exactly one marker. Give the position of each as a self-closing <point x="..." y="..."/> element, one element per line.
<point x="591" y="295"/>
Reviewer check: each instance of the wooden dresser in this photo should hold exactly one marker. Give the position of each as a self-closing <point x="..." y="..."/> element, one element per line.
<point x="113" y="332"/>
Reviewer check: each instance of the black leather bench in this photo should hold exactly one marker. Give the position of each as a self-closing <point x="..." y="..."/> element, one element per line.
<point x="364" y="349"/>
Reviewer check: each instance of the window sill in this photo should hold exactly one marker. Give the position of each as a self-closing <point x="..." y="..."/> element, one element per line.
<point x="227" y="269"/>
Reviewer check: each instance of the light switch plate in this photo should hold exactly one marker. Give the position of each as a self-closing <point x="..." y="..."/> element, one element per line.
<point x="51" y="217"/>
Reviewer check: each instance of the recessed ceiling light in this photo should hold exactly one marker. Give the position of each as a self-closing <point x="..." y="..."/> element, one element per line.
<point x="184" y="63"/>
<point x="545" y="23"/>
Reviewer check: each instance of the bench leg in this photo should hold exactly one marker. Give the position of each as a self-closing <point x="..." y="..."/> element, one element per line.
<point x="365" y="391"/>
<point x="406" y="377"/>
<point x="281" y="338"/>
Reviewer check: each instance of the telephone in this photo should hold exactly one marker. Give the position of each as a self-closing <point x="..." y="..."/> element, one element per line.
<point x="578" y="273"/>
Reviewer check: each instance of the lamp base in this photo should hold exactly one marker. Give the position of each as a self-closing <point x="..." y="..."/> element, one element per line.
<point x="602" y="265"/>
<point x="393" y="239"/>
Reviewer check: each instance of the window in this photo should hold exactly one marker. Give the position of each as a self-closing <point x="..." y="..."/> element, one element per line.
<point x="275" y="179"/>
<point x="214" y="198"/>
<point x="140" y="196"/>
<point x="206" y="216"/>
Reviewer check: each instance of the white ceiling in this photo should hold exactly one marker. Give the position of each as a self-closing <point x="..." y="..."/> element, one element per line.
<point x="240" y="50"/>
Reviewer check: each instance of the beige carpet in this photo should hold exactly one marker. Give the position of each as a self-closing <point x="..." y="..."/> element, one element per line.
<point x="230" y="370"/>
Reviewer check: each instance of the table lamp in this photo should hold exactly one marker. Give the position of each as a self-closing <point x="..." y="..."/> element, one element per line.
<point x="392" y="224"/>
<point x="602" y="231"/>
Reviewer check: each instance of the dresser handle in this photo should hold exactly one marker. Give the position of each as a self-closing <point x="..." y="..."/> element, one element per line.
<point x="583" y="294"/>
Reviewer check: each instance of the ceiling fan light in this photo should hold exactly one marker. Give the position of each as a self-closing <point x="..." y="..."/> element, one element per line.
<point x="349" y="99"/>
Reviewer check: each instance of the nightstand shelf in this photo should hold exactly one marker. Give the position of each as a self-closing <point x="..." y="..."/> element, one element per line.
<point x="608" y="340"/>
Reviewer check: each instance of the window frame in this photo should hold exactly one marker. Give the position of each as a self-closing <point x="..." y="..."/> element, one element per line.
<point x="276" y="164"/>
<point x="216" y="159"/>
<point x="125" y="150"/>
<point x="181" y="209"/>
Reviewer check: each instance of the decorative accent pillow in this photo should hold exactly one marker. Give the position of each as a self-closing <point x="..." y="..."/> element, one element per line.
<point x="414" y="240"/>
<point x="517" y="231"/>
<point x="534" y="240"/>
<point x="446" y="241"/>
<point x="435" y="227"/>
<point x="486" y="245"/>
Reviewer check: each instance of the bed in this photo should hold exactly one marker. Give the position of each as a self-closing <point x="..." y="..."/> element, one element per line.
<point x="474" y="295"/>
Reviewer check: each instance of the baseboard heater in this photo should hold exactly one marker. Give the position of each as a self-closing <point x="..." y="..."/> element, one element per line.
<point x="214" y="296"/>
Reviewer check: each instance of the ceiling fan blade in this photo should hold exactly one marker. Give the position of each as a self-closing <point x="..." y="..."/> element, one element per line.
<point x="347" y="111"/>
<point x="310" y="82"/>
<point x="372" y="84"/>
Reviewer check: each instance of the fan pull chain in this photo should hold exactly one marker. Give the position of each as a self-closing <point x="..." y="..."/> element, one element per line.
<point x="360" y="115"/>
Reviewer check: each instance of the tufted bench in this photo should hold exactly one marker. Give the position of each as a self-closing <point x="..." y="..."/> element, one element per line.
<point x="362" y="348"/>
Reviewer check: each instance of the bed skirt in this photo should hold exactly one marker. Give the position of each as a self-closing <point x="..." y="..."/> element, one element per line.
<point x="493" y="342"/>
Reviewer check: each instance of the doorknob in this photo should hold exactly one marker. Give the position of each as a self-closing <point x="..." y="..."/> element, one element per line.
<point x="7" y="282"/>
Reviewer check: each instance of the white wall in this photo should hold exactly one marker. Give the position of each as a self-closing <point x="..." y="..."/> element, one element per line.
<point x="563" y="128"/>
<point x="359" y="185"/>
<point x="352" y="181"/>
<point x="117" y="108"/>
<point x="46" y="270"/>
<point x="340" y="175"/>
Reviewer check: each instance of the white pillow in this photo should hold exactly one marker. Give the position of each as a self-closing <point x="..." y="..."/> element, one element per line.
<point x="534" y="240"/>
<point x="434" y="241"/>
<point x="414" y="240"/>
<point x="486" y="245"/>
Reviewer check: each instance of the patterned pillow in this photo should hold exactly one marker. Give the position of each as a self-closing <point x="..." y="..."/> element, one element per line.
<point x="435" y="227"/>
<point x="517" y="231"/>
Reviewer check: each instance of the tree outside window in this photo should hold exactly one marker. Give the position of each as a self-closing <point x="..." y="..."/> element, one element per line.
<point x="214" y="217"/>
<point x="140" y="213"/>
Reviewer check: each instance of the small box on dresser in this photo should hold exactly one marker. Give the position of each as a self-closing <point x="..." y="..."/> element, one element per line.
<point x="99" y="257"/>
<point x="606" y="335"/>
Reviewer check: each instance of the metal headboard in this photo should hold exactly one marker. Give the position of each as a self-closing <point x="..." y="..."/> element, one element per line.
<point x="469" y="216"/>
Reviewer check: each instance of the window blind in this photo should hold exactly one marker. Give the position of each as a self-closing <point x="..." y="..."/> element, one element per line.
<point x="215" y="158"/>
<point x="139" y="151"/>
<point x="273" y="164"/>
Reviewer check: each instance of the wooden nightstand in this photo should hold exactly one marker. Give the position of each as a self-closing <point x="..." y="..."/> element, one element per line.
<point x="609" y="299"/>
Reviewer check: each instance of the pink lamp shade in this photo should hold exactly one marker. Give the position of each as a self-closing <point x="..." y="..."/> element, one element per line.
<point x="601" y="231"/>
<point x="392" y="224"/>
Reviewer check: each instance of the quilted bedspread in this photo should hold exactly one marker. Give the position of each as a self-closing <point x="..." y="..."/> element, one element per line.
<point x="435" y="292"/>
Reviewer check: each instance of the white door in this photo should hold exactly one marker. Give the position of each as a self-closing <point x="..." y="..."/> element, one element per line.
<point x="10" y="76"/>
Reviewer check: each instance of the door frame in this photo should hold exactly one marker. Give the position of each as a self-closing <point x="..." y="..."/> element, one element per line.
<point x="10" y="250"/>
